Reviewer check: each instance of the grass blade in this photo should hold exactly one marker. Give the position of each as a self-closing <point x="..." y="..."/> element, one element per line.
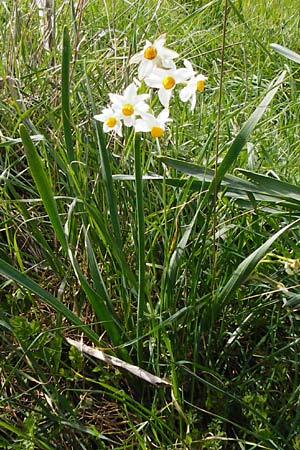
<point x="176" y="258"/>
<point x="98" y="279"/>
<point x="98" y="224"/>
<point x="111" y="360"/>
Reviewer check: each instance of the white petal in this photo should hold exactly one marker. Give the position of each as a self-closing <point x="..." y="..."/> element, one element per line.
<point x="189" y="66"/>
<point x="145" y="68"/>
<point x="141" y="107"/>
<point x="166" y="64"/>
<point x="129" y="121"/>
<point x="182" y="75"/>
<point x="160" y="41"/>
<point x="116" y="98"/>
<point x="153" y="81"/>
<point x="118" y="129"/>
<point x="148" y="44"/>
<point x="106" y="129"/>
<point x="193" y="101"/>
<point x="149" y="118"/>
<point x="135" y="59"/>
<point x="185" y="94"/>
<point x="143" y="97"/>
<point x="141" y="125"/>
<point x="100" y="117"/>
<point x="163" y="116"/>
<point x="164" y="97"/>
<point x="201" y="77"/>
<point x="130" y="91"/>
<point x="166" y="53"/>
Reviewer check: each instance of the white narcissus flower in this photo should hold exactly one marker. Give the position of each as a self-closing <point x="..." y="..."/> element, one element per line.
<point x="153" y="55"/>
<point x="195" y="84"/>
<point x="111" y="121"/>
<point x="154" y="125"/>
<point x="129" y="105"/>
<point x="165" y="81"/>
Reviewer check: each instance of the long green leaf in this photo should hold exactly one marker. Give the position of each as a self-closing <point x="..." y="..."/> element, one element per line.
<point x="242" y="272"/>
<point x="177" y="255"/>
<point x="272" y="186"/>
<point x="97" y="222"/>
<point x="65" y="94"/>
<point x="262" y="187"/>
<point x="98" y="281"/>
<point x="106" y="171"/>
<point x="43" y="185"/>
<point x="207" y="175"/>
<point x="107" y="319"/>
<point x="21" y="279"/>
<point x="248" y="127"/>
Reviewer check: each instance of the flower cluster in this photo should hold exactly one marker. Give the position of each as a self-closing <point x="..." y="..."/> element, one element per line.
<point x="157" y="70"/>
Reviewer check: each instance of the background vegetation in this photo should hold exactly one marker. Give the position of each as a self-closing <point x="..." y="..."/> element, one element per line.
<point x="214" y="307"/>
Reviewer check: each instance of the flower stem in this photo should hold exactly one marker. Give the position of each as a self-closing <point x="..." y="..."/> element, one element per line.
<point x="141" y="245"/>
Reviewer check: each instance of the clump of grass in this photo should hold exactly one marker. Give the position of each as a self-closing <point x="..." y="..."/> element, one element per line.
<point x="179" y="258"/>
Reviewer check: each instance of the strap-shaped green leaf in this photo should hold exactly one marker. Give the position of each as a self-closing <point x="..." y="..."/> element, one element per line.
<point x="21" y="279"/>
<point x="242" y="272"/>
<point x="248" y="127"/>
<point x="42" y="182"/>
<point x="65" y="94"/>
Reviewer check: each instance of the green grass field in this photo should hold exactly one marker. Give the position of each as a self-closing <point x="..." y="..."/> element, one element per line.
<point x="178" y="255"/>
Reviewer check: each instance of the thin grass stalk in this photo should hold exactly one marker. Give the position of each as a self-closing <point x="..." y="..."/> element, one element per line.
<point x="164" y="296"/>
<point x="175" y="393"/>
<point x="141" y="245"/>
